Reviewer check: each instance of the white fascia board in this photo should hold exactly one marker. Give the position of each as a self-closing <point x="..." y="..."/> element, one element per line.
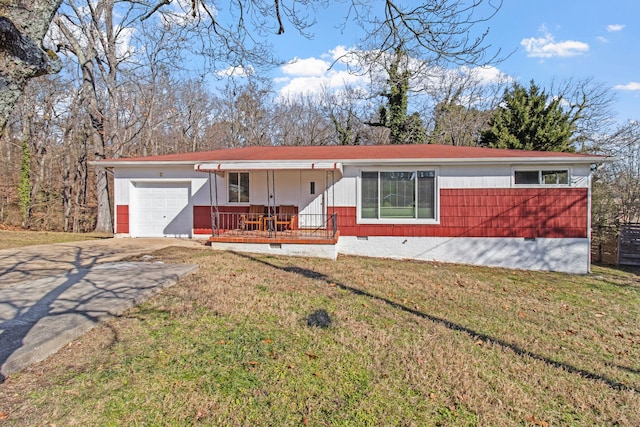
<point x="484" y="161"/>
<point x="278" y="165"/>
<point x="146" y="163"/>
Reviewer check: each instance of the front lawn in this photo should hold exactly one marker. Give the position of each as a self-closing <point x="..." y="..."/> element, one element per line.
<point x="410" y="344"/>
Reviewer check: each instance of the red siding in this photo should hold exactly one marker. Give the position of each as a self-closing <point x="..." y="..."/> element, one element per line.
<point x="201" y="220"/>
<point x="545" y="212"/>
<point x="202" y="217"/>
<point x="122" y="218"/>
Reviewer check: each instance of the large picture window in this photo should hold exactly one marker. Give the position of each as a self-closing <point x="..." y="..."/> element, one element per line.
<point x="398" y="195"/>
<point x="238" y="187"/>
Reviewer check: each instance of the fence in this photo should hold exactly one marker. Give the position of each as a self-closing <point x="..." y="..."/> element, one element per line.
<point x="629" y="245"/>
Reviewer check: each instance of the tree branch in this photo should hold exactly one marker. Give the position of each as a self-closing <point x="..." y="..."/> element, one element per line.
<point x="155" y="8"/>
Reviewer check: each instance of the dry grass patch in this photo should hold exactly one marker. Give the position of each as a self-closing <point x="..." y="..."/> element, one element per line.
<point x="20" y="238"/>
<point x="410" y="343"/>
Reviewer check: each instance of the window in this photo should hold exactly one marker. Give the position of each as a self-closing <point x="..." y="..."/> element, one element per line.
<point x="542" y="177"/>
<point x="555" y="177"/>
<point x="238" y="187"/>
<point x="398" y="195"/>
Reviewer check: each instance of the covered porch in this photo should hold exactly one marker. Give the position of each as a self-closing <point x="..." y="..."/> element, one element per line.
<point x="270" y="204"/>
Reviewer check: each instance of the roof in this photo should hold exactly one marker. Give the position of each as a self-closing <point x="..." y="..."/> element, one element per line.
<point x="356" y="154"/>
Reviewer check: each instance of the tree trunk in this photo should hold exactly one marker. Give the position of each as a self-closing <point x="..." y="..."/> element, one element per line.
<point x="66" y="191"/>
<point x="104" y="222"/>
<point x="23" y="25"/>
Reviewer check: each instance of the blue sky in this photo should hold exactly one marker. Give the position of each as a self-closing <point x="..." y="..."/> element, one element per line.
<point x="549" y="39"/>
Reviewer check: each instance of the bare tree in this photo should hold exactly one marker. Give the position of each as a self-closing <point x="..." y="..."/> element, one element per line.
<point x="242" y="110"/>
<point x="98" y="44"/>
<point x="405" y="43"/>
<point x="51" y="162"/>
<point x="621" y="178"/>
<point x="435" y="31"/>
<point x="589" y="104"/>
<point x="299" y="120"/>
<point x="232" y="37"/>
<point x="350" y="111"/>
<point x="463" y="105"/>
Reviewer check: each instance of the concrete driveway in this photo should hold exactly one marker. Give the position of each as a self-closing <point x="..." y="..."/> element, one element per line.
<point x="51" y="294"/>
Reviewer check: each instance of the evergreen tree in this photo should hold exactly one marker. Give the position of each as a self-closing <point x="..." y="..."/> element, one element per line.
<point x="530" y="120"/>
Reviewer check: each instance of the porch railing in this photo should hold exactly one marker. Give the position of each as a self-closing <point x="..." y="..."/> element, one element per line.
<point x="298" y="226"/>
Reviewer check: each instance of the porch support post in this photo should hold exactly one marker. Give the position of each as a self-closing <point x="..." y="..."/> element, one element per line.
<point x="213" y="209"/>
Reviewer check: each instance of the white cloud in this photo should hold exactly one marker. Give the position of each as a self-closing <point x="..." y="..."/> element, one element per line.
<point x="629" y="86"/>
<point x="337" y="53"/>
<point x="486" y="75"/>
<point x="547" y="47"/>
<point x="238" y="71"/>
<point x="602" y="39"/>
<point x="312" y="76"/>
<point x="615" y="27"/>
<point x="306" y="67"/>
<point x="315" y="85"/>
<point x="342" y="55"/>
<point x="124" y="48"/>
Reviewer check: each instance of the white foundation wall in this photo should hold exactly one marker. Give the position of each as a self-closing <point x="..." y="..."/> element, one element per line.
<point x="562" y="255"/>
<point x="315" y="250"/>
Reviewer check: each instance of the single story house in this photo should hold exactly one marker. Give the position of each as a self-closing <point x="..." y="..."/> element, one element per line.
<point x="493" y="207"/>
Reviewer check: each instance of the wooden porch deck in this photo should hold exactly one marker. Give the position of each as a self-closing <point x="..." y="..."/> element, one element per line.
<point x="295" y="237"/>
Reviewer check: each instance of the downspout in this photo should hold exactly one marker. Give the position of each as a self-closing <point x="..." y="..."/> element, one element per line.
<point x="589" y="231"/>
<point x="215" y="181"/>
<point x="211" y="204"/>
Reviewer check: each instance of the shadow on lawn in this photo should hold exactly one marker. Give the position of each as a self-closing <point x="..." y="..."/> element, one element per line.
<point x="311" y="274"/>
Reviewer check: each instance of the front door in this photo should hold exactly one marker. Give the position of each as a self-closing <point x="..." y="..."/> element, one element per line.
<point x="313" y="205"/>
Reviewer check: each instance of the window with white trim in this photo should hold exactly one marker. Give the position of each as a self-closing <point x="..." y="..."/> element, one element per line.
<point x="402" y="195"/>
<point x="541" y="177"/>
<point x="238" y="187"/>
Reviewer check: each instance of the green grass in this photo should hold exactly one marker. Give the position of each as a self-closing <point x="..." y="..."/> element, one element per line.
<point x="411" y="343"/>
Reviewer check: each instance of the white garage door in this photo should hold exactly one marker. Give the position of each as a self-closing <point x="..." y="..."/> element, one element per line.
<point x="161" y="210"/>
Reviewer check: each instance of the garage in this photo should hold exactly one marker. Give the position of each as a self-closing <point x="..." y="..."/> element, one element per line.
<point x="161" y="209"/>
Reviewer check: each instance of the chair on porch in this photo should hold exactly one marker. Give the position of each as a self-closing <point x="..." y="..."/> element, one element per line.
<point x="287" y="217"/>
<point x="253" y="218"/>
